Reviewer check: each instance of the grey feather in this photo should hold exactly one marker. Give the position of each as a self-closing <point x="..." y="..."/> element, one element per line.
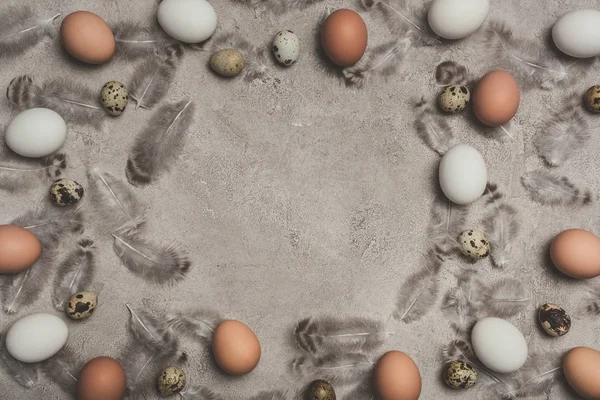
<point x="463" y="302"/>
<point x="336" y="369"/>
<point x="63" y="369"/>
<point x="21" y="29"/>
<point x="135" y="41"/>
<point x="152" y="333"/>
<point x="364" y="391"/>
<point x="404" y="20"/>
<point x="540" y="372"/>
<point x="270" y="395"/>
<point x="152" y="78"/>
<point x="17" y="173"/>
<point x="280" y="6"/>
<point x="458" y="350"/>
<point x="50" y="224"/>
<point x="504" y="298"/>
<point x="198" y="323"/>
<point x="501" y="226"/>
<point x="74" y="101"/>
<point x="432" y="127"/>
<point x="592" y="303"/>
<point x="25" y="374"/>
<point x="74" y="274"/>
<point x="547" y="188"/>
<point x="419" y="292"/>
<point x="24" y="288"/>
<point x="115" y="201"/>
<point x="141" y="366"/>
<point x="451" y="73"/>
<point x="447" y="221"/>
<point x="197" y="392"/>
<point x="565" y="134"/>
<point x="158" y="145"/>
<point x="380" y="61"/>
<point x="322" y="335"/>
<point x="154" y="263"/>
<point x="526" y="60"/>
<point x="255" y="57"/>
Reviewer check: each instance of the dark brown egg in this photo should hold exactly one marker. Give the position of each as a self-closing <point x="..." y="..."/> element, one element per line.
<point x="321" y="390"/>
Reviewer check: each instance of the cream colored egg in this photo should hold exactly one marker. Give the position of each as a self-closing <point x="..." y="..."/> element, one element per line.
<point x="81" y="305"/>
<point x="454" y="98"/>
<point x="171" y="380"/>
<point x="114" y="97"/>
<point x="474" y="244"/>
<point x="227" y="62"/>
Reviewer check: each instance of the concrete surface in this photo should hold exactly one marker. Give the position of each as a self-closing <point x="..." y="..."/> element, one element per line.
<point x="296" y="196"/>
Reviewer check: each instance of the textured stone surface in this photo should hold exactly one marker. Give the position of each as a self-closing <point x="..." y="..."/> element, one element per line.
<point x="297" y="196"/>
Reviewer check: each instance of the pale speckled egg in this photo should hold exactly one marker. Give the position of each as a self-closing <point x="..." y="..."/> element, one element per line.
<point x="64" y="192"/>
<point x="171" y="380"/>
<point x="474" y="244"/>
<point x="114" y="97"/>
<point x="592" y="98"/>
<point x="454" y="98"/>
<point x="81" y="305"/>
<point x="321" y="390"/>
<point x="227" y="62"/>
<point x="554" y="319"/>
<point x="286" y="47"/>
<point x="459" y="375"/>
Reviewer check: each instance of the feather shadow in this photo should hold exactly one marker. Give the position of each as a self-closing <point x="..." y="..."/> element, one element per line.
<point x="549" y="189"/>
<point x="336" y="369"/>
<point x="17" y="173"/>
<point x="501" y="226"/>
<point x="25" y="374"/>
<point x="74" y="101"/>
<point x="152" y="78"/>
<point x="21" y="28"/>
<point x="159" y="144"/>
<point x="198" y="323"/>
<point x="255" y="57"/>
<point x="380" y="61"/>
<point x="451" y="73"/>
<point x="63" y="369"/>
<point x="134" y="40"/>
<point x="74" y="274"/>
<point x="163" y="265"/>
<point x="432" y="127"/>
<point x="322" y="335"/>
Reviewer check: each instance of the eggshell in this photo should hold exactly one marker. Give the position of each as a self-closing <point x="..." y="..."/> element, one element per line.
<point x="463" y="174"/>
<point x="36" y="337"/>
<point x="581" y="366"/>
<point x="499" y="345"/>
<point x="286" y="47"/>
<point x="19" y="249"/>
<point x="592" y="98"/>
<point x="397" y="377"/>
<point x="36" y="132"/>
<point x="87" y="37"/>
<point x="227" y="62"/>
<point x="496" y="98"/>
<point x="189" y="21"/>
<point x="578" y="33"/>
<point x="102" y="378"/>
<point x="576" y="253"/>
<point x="456" y="19"/>
<point x="235" y="347"/>
<point x="344" y="37"/>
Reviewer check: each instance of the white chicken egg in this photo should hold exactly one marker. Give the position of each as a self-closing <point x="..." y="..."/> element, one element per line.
<point x="37" y="132"/>
<point x="578" y="33"/>
<point x="499" y="345"/>
<point x="463" y="174"/>
<point x="36" y="337"/>
<point x="189" y="21"/>
<point x="457" y="19"/>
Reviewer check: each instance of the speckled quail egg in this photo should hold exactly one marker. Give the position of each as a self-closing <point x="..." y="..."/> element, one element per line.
<point x="81" y="305"/>
<point x="459" y="375"/>
<point x="114" y="97"/>
<point x="64" y="192"/>
<point x="474" y="244"/>
<point x="321" y="390"/>
<point x="555" y="320"/>
<point x="286" y="47"/>
<point x="227" y="62"/>
<point x="454" y="98"/>
<point x="592" y="98"/>
<point x="171" y="380"/>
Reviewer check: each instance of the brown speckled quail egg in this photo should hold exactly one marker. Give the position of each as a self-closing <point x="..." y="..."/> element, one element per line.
<point x="81" y="305"/>
<point x="227" y="62"/>
<point x="592" y="98"/>
<point x="321" y="390"/>
<point x="171" y="380"/>
<point x="114" y="97"/>
<point x="64" y="192"/>
<point x="459" y="375"/>
<point x="474" y="244"/>
<point x="555" y="320"/>
<point x="286" y="47"/>
<point x="454" y="98"/>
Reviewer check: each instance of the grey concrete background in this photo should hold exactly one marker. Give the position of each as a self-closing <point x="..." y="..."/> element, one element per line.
<point x="296" y="196"/>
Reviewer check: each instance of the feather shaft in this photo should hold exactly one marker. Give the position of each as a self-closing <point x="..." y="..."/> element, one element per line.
<point x="345" y="368"/>
<point x="382" y="60"/>
<point x="433" y="129"/>
<point x="199" y="324"/>
<point x="25" y="374"/>
<point x="21" y="29"/>
<point x="136" y="41"/>
<point x="504" y="298"/>
<point x="501" y="225"/>
<point x="447" y="221"/>
<point x="74" y="274"/>
<point x="63" y="369"/>
<point x="547" y="188"/>
<point x="24" y="288"/>
<point x="17" y="174"/>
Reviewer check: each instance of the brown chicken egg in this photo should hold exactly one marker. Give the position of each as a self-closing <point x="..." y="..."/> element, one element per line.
<point x="496" y="98"/>
<point x="397" y="377"/>
<point x="19" y="249"/>
<point x="576" y="253"/>
<point x="87" y="37"/>
<point x="344" y="37"/>
<point x="581" y="366"/>
<point x="235" y="347"/>
<point x="102" y="378"/>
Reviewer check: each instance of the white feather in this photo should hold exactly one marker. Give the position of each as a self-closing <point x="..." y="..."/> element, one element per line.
<point x="334" y="368"/>
<point x="198" y="323"/>
<point x="501" y="225"/>
<point x="74" y="274"/>
<point x="547" y="188"/>
<point x="21" y="29"/>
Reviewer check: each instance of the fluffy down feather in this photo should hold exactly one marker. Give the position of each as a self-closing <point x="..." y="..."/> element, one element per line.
<point x="433" y="128"/>
<point x="336" y="369"/>
<point x="21" y="29"/>
<point x="17" y="173"/>
<point x="547" y="188"/>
